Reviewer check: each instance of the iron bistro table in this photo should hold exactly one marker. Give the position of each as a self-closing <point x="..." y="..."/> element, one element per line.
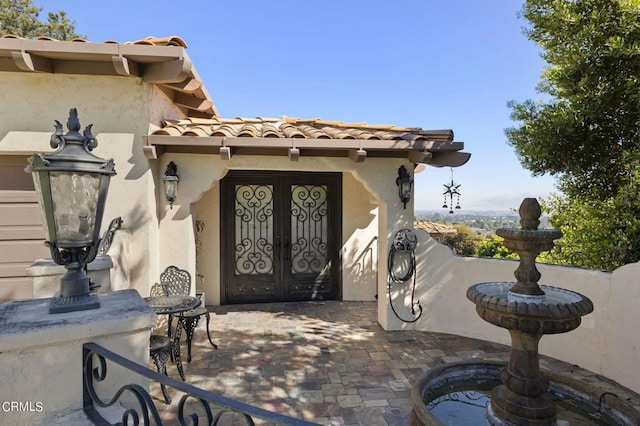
<point x="171" y="305"/>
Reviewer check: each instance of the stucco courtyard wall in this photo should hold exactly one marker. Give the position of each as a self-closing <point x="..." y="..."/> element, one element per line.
<point x="606" y="342"/>
<point x="122" y="111"/>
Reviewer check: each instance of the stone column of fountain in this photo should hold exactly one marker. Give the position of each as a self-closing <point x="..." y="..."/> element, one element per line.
<point x="528" y="311"/>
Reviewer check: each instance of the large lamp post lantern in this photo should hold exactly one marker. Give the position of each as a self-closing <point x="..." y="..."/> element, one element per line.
<point x="72" y="186"/>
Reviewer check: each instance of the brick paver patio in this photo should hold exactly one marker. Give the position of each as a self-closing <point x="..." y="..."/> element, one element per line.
<point x="328" y="362"/>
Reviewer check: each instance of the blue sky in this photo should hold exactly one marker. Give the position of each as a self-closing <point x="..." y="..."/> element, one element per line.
<point x="435" y="64"/>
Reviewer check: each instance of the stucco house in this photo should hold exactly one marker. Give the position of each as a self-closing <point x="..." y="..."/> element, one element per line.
<point x="268" y="209"/>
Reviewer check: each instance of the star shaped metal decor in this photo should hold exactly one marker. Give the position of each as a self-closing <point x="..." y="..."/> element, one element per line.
<point x="452" y="190"/>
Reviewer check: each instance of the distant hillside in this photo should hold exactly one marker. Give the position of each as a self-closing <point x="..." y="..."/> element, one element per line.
<point x="463" y="212"/>
<point x="482" y="222"/>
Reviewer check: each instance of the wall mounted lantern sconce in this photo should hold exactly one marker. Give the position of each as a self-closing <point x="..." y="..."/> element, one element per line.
<point x="72" y="185"/>
<point x="405" y="183"/>
<point x="452" y="191"/>
<point x="170" y="180"/>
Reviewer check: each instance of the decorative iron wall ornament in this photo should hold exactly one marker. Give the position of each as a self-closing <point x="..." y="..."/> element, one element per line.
<point x="254" y="229"/>
<point x="107" y="237"/>
<point x="452" y="190"/>
<point x="308" y="228"/>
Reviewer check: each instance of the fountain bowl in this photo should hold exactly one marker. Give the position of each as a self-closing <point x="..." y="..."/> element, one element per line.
<point x="470" y="375"/>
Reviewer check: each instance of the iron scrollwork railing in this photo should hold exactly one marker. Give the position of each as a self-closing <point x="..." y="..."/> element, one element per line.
<point x="209" y="407"/>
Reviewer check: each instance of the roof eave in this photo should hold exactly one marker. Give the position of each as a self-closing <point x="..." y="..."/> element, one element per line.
<point x="435" y="153"/>
<point x="168" y="66"/>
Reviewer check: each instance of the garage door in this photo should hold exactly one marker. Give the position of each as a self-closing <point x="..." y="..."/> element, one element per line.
<point x="21" y="231"/>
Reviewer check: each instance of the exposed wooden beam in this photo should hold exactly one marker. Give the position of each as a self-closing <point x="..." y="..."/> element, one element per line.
<point x="192" y="102"/>
<point x="168" y="72"/>
<point x="34" y="63"/>
<point x="449" y="159"/>
<point x="125" y="67"/>
<point x="294" y="154"/>
<point x="150" y="152"/>
<point x="200" y="114"/>
<point x="367" y="145"/>
<point x="358" y="150"/>
<point x="358" y="155"/>
<point x="225" y="153"/>
<point x="419" y="156"/>
<point x="189" y="85"/>
<point x="443" y="146"/>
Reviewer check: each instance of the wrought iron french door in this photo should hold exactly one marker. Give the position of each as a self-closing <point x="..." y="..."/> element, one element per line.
<point x="280" y="236"/>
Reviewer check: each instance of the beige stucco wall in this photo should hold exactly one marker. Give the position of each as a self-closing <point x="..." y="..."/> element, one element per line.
<point x="359" y="241"/>
<point x="606" y="342"/>
<point x="207" y="211"/>
<point x="122" y="111"/>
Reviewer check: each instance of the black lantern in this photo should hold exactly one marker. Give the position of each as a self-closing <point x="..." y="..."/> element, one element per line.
<point x="72" y="186"/>
<point x="170" y="180"/>
<point x="405" y="183"/>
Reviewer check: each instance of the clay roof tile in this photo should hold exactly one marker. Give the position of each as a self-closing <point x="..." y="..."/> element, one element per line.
<point x="172" y="130"/>
<point x="200" y="130"/>
<point x="290" y="131"/>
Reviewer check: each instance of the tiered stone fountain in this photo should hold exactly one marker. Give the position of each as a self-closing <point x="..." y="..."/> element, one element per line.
<point x="528" y="311"/>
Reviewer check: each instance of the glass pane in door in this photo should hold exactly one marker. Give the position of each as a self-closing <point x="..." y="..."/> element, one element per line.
<point x="253" y="241"/>
<point x="309" y="229"/>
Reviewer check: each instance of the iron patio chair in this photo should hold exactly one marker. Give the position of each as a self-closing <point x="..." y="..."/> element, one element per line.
<point x="177" y="282"/>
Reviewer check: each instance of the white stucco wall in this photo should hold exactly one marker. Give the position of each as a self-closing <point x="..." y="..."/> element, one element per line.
<point x="122" y="110"/>
<point x="606" y="342"/>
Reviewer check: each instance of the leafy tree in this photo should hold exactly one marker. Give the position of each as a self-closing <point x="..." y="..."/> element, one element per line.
<point x="60" y="27"/>
<point x="493" y="246"/>
<point x="20" y="18"/>
<point x="586" y="132"/>
<point x="465" y="242"/>
<point x="616" y="231"/>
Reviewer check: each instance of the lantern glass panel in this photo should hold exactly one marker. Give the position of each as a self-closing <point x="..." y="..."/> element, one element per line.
<point x="170" y="188"/>
<point x="75" y="201"/>
<point x="405" y="190"/>
<point x="37" y="183"/>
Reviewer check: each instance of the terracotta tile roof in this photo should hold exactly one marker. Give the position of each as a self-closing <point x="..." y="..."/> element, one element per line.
<point x="151" y="40"/>
<point x="159" y="60"/>
<point x="289" y="127"/>
<point x="297" y="137"/>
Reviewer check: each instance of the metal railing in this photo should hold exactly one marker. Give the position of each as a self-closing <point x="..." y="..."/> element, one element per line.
<point x="209" y="407"/>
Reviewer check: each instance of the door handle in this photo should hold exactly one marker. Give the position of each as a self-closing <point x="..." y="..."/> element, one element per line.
<point x="277" y="247"/>
<point x="287" y="246"/>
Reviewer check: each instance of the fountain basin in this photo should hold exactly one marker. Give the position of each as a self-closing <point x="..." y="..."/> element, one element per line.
<point x="578" y="402"/>
<point x="557" y="311"/>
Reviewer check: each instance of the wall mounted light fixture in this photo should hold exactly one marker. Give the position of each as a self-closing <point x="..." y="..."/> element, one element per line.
<point x="405" y="184"/>
<point x="170" y="180"/>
